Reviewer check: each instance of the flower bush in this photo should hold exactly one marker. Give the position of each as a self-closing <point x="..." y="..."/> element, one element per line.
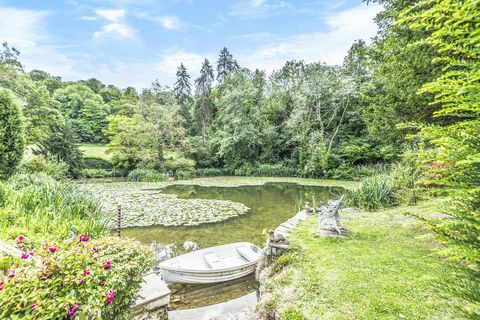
<point x="97" y="279"/>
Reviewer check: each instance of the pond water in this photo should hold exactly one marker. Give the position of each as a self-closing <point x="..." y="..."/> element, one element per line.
<point x="270" y="205"/>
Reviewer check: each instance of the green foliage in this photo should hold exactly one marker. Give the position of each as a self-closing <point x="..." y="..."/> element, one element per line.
<point x="177" y="163"/>
<point x="96" y="163"/>
<point x="61" y="145"/>
<point x="212" y="172"/>
<point x="103" y="275"/>
<point x="373" y="193"/>
<point x="12" y="138"/>
<point x="49" y="166"/>
<point x="290" y="313"/>
<point x="146" y="175"/>
<point x="40" y="205"/>
<point x="183" y="175"/>
<point x="452" y="28"/>
<point x="132" y="141"/>
<point x="102" y="173"/>
<point x="85" y="109"/>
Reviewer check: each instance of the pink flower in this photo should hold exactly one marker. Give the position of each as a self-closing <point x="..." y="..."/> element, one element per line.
<point x="25" y="256"/>
<point x="20" y="238"/>
<point x="110" y="296"/>
<point x="52" y="249"/>
<point x="102" y="283"/>
<point x="72" y="310"/>
<point x="95" y="249"/>
<point x="1" y="285"/>
<point x="31" y="251"/>
<point x="86" y="272"/>
<point x="107" y="265"/>
<point x="20" y="246"/>
<point x="11" y="274"/>
<point x="84" y="238"/>
<point x="34" y="306"/>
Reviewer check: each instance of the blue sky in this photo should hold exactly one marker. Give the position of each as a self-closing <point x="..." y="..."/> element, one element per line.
<point x="133" y="42"/>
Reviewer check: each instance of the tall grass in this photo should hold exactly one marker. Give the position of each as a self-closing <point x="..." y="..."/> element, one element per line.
<point x="38" y="204"/>
<point x="373" y="193"/>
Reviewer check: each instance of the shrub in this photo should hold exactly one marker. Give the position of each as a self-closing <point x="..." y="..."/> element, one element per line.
<point x="96" y="163"/>
<point x="39" y="164"/>
<point x="179" y="163"/>
<point x="212" y="172"/>
<point x="146" y="175"/>
<point x="102" y="173"/>
<point x="274" y="170"/>
<point x="183" y="175"/>
<point x="88" y="279"/>
<point x="373" y="193"/>
<point x="290" y="313"/>
<point x="12" y="138"/>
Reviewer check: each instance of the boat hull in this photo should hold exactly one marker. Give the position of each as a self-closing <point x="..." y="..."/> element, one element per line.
<point x="212" y="277"/>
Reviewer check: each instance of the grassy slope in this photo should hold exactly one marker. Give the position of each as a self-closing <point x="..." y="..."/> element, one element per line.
<point x="94" y="150"/>
<point x="383" y="270"/>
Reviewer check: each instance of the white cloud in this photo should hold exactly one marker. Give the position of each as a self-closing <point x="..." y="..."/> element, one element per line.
<point x="116" y="27"/>
<point x="120" y="29"/>
<point x="328" y="46"/>
<point x="170" y="22"/>
<point x="111" y="14"/>
<point x="257" y="9"/>
<point x="24" y="29"/>
<point x="171" y="59"/>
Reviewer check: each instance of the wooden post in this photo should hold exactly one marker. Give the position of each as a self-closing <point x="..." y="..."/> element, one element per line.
<point x="119" y="218"/>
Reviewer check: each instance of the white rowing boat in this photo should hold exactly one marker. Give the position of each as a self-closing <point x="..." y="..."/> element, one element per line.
<point x="214" y="264"/>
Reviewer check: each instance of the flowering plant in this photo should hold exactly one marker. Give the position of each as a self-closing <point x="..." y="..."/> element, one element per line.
<point x="97" y="279"/>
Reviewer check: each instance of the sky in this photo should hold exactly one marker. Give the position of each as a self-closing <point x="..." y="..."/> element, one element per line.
<point x="134" y="42"/>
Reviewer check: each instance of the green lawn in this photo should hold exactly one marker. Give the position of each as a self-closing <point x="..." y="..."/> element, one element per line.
<point x="94" y="150"/>
<point x="384" y="270"/>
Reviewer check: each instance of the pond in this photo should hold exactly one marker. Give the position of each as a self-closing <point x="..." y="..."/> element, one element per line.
<point x="270" y="204"/>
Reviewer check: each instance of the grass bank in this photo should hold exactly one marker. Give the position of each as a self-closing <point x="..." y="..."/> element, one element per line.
<point x="383" y="270"/>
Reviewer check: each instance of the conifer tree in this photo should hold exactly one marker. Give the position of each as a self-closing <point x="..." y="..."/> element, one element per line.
<point x="226" y="64"/>
<point x="204" y="107"/>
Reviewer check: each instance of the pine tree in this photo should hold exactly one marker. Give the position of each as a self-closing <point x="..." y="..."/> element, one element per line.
<point x="204" y="108"/>
<point x="226" y="64"/>
<point x="182" y="87"/>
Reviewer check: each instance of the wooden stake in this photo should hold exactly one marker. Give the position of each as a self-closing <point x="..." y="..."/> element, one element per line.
<point x="119" y="218"/>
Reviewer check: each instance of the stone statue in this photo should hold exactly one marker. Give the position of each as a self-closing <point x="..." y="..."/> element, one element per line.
<point x="329" y="223"/>
<point x="308" y="208"/>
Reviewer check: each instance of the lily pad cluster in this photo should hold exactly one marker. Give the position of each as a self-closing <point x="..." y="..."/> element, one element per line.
<point x="143" y="207"/>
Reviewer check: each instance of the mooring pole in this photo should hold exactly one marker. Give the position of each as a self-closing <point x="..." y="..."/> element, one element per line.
<point x="119" y="218"/>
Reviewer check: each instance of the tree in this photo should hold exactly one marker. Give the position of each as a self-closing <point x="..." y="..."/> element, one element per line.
<point x="226" y="64"/>
<point x="204" y="105"/>
<point x="62" y="145"/>
<point x="41" y="113"/>
<point x="452" y="30"/>
<point x="239" y="119"/>
<point x="132" y="141"/>
<point x="182" y="86"/>
<point x="12" y="139"/>
<point x="86" y="111"/>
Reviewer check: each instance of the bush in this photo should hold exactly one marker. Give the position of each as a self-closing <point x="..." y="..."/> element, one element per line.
<point x="212" y="172"/>
<point x="183" y="175"/>
<point x="179" y="163"/>
<point x="87" y="279"/>
<point x="274" y="170"/>
<point x="146" y="175"/>
<point x="51" y="167"/>
<point x="96" y="163"/>
<point x="373" y="193"/>
<point x="290" y="313"/>
<point x="102" y="173"/>
<point x="12" y="138"/>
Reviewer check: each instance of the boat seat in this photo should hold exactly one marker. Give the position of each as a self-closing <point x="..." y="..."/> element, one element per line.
<point x="213" y="261"/>
<point x="247" y="254"/>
